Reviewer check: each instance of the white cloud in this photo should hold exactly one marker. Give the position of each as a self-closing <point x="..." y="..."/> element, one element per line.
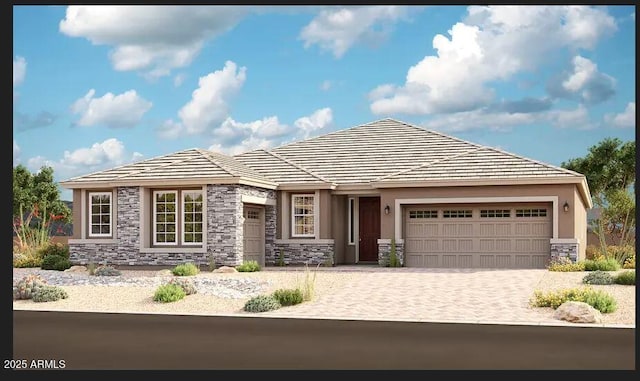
<point x="326" y="85"/>
<point x="208" y="106"/>
<point x="320" y="119"/>
<point x="152" y="39"/>
<point x="19" y="70"/>
<point x="337" y="30"/>
<point x="103" y="155"/>
<point x="492" y="44"/>
<point x="16" y="152"/>
<point x="178" y="80"/>
<point x="577" y="118"/>
<point x="586" y="82"/>
<point x="116" y="111"/>
<point x="625" y="119"/>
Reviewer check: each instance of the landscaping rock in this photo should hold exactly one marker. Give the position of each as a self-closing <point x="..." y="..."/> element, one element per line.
<point x="578" y="312"/>
<point x="225" y="269"/>
<point x="76" y="269"/>
<point x="165" y="272"/>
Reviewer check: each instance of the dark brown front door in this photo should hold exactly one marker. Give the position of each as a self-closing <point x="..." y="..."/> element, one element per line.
<point x="369" y="229"/>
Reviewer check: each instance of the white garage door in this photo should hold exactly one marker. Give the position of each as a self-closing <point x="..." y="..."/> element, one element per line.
<point x="253" y="249"/>
<point x="478" y="236"/>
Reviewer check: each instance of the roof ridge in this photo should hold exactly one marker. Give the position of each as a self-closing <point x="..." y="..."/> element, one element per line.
<point x="208" y="156"/>
<point x="429" y="163"/>
<point x="124" y="165"/>
<point x="159" y="166"/>
<point x="536" y="161"/>
<point x="438" y="133"/>
<point x="288" y="161"/>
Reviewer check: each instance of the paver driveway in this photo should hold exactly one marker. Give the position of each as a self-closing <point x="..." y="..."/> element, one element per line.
<point x="470" y="295"/>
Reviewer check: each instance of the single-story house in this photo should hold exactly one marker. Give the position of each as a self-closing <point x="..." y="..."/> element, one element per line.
<point x="342" y="198"/>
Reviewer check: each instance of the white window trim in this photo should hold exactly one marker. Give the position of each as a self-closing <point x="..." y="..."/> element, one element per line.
<point x="315" y="214"/>
<point x="153" y="219"/>
<point x="183" y="242"/>
<point x="351" y="204"/>
<point x="110" y="194"/>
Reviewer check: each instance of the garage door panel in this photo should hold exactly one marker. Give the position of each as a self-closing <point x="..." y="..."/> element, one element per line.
<point x="489" y="237"/>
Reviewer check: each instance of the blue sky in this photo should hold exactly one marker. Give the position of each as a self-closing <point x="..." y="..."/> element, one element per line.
<point x="100" y="86"/>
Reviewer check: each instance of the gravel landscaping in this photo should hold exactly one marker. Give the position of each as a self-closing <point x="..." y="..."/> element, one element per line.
<point x="367" y="292"/>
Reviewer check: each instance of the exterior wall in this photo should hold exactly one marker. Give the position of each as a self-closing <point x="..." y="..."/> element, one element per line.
<point x="580" y="228"/>
<point x="224" y="219"/>
<point x="77" y="213"/>
<point x="565" y="192"/>
<point x="565" y="250"/>
<point x="339" y="226"/>
<point x="325" y="214"/>
<point x="298" y="252"/>
<point x="384" y="252"/>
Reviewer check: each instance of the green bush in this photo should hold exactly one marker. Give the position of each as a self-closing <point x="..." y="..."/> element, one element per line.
<point x="91" y="268"/>
<point x="27" y="286"/>
<point x="26" y="261"/>
<point x="280" y="261"/>
<point x="626" y="278"/>
<point x="630" y="263"/>
<point x="49" y="294"/>
<point x="599" y="300"/>
<point x="262" y="303"/>
<point x="185" y="269"/>
<point x="187" y="285"/>
<point x="248" y="267"/>
<point x="605" y="264"/>
<point x="620" y="253"/>
<point x="598" y="277"/>
<point x="288" y="297"/>
<point x="565" y="265"/>
<point x="57" y="249"/>
<point x="394" y="261"/>
<point x="55" y="262"/>
<point x="169" y="293"/>
<point x="107" y="270"/>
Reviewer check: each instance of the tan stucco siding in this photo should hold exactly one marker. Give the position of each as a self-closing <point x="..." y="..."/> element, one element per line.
<point x="279" y="195"/>
<point x="77" y="214"/>
<point x="579" y="210"/>
<point x="564" y="192"/>
<point x="338" y="226"/>
<point x="325" y="214"/>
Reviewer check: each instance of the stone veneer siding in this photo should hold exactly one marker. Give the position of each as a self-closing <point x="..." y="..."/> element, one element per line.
<point x="224" y="231"/>
<point x="303" y="253"/>
<point x="564" y="250"/>
<point x="384" y="251"/>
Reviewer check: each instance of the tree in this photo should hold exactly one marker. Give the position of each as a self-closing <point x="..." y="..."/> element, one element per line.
<point x="39" y="191"/>
<point x="610" y="169"/>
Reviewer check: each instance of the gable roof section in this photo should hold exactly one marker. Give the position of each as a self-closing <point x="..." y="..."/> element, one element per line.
<point x="191" y="166"/>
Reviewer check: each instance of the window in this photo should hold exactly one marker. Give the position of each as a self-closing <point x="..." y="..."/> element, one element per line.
<point x="491" y="213"/>
<point x="99" y="214"/>
<point x="192" y="217"/>
<point x="303" y="218"/>
<point x="165" y="210"/>
<point x="253" y="214"/>
<point x="423" y="214"/>
<point x="531" y="212"/>
<point x="352" y="228"/>
<point x="457" y="214"/>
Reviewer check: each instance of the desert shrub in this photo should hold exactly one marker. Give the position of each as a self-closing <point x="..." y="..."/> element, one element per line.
<point x="169" y="293"/>
<point x="58" y="249"/>
<point x="280" y="261"/>
<point x="262" y="303"/>
<point x="630" y="263"/>
<point x="212" y="263"/>
<point x="620" y="253"/>
<point x="27" y="286"/>
<point x="626" y="278"/>
<point x="91" y="268"/>
<point x="308" y="283"/>
<point x="248" y="267"/>
<point x="107" y="270"/>
<point x="55" y="262"/>
<point x="26" y="260"/>
<point x="564" y="264"/>
<point x="187" y="285"/>
<point x="288" y="297"/>
<point x="49" y="294"/>
<point x="185" y="269"/>
<point x="394" y="261"/>
<point x="599" y="300"/>
<point x="593" y="252"/>
<point x="604" y="264"/>
<point x="598" y="277"/>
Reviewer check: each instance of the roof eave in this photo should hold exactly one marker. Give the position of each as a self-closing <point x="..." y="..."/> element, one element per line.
<point x="169" y="182"/>
<point x="305" y="186"/>
<point x="476" y="182"/>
